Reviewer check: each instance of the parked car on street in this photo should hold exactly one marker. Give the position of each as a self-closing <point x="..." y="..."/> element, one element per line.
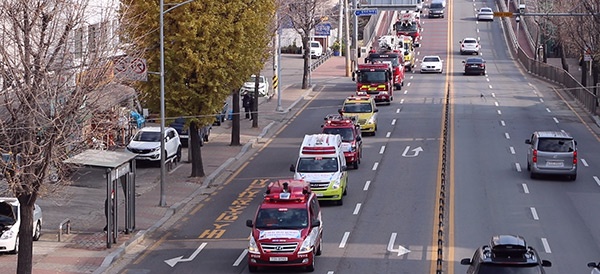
<point x="180" y="126"/>
<point x="10" y="220"/>
<point x="146" y="144"/>
<point x="263" y="86"/>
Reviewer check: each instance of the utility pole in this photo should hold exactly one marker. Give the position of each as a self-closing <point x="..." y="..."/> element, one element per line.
<point x="347" y="38"/>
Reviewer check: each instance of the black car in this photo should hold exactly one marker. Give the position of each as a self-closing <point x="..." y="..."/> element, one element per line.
<point x="474" y="65"/>
<point x="506" y="254"/>
<point x="180" y="126"/>
<point x="222" y="115"/>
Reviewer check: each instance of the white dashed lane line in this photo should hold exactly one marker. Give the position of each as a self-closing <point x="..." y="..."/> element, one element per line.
<point x="546" y="245"/>
<point x="518" y="167"/>
<point x="555" y="120"/>
<point x="597" y="180"/>
<point x="493" y="95"/>
<point x="541" y="100"/>
<point x="367" y="184"/>
<point x="584" y="162"/>
<point x="512" y="150"/>
<point x="356" y="209"/>
<point x="506" y="135"/>
<point x="375" y="165"/>
<point x="496" y="103"/>
<point x="502" y="123"/>
<point x="344" y="240"/>
<point x="548" y="110"/>
<point x="393" y="122"/>
<point x="499" y="112"/>
<point x="525" y="188"/>
<point x="382" y="150"/>
<point x="534" y="213"/>
<point x="387" y="135"/>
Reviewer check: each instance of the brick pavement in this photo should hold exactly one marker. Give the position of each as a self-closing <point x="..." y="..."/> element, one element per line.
<point x="85" y="251"/>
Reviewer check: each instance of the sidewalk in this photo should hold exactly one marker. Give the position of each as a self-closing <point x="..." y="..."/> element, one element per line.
<point x="85" y="251"/>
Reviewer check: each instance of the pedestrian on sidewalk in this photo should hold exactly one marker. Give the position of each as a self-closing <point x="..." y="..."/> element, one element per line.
<point x="247" y="103"/>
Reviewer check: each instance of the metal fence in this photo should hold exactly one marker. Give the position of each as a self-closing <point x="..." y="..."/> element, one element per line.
<point x="583" y="95"/>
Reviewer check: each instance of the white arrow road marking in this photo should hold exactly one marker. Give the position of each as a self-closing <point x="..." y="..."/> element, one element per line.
<point x="241" y="257"/>
<point x="416" y="152"/>
<point x="401" y="250"/>
<point x="174" y="261"/>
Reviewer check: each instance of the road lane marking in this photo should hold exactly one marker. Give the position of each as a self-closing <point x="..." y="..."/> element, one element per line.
<point x="344" y="240"/>
<point x="584" y="162"/>
<point x="490" y="86"/>
<point x="525" y="188"/>
<point x="502" y="123"/>
<point x="555" y="120"/>
<point x="382" y="150"/>
<point x="366" y="187"/>
<point x="387" y="135"/>
<point x="548" y="110"/>
<point x="356" y="209"/>
<point x="496" y="103"/>
<point x="375" y="165"/>
<point x="408" y="85"/>
<point x="534" y="213"/>
<point x="241" y="257"/>
<point x="507" y="135"/>
<point x="398" y="110"/>
<point x="597" y="180"/>
<point x="546" y="245"/>
<point x="493" y="95"/>
<point x="512" y="150"/>
<point x="393" y="122"/>
<point x="518" y="166"/>
<point x="405" y="91"/>
<point x="499" y="112"/>
<point x="541" y="100"/>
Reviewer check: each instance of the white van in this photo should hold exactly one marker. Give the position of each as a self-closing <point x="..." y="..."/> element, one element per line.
<point x="322" y="163"/>
<point x="316" y="49"/>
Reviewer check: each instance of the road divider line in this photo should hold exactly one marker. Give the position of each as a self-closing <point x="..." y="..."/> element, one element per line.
<point x="548" y="110"/>
<point x="525" y="188"/>
<point x="330" y="272"/>
<point x="241" y="257"/>
<point x="387" y="135"/>
<point x="584" y="162"/>
<point x="499" y="112"/>
<point x="398" y="110"/>
<point x="382" y="150"/>
<point x="502" y="123"/>
<point x="496" y="103"/>
<point x="393" y="122"/>
<point x="597" y="180"/>
<point x="406" y="91"/>
<point x="546" y="245"/>
<point x="490" y="86"/>
<point x="541" y="100"/>
<point x="507" y="135"/>
<point x="512" y="150"/>
<point x="356" y="209"/>
<point x="518" y="166"/>
<point x="344" y="239"/>
<point x="534" y="213"/>
<point x="555" y="120"/>
<point x="367" y="184"/>
<point x="493" y="95"/>
<point x="375" y="165"/>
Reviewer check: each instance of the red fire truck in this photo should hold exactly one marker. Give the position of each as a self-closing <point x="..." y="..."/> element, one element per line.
<point x="397" y="61"/>
<point x="376" y="80"/>
<point x="349" y="129"/>
<point x="287" y="228"/>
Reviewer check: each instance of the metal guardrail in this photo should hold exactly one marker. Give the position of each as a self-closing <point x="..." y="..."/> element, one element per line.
<point x="314" y="64"/>
<point x="66" y="222"/>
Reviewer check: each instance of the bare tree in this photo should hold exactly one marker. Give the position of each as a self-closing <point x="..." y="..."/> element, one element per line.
<point x="304" y="16"/>
<point x="54" y="67"/>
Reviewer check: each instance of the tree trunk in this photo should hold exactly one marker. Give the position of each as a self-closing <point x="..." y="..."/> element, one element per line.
<point x="195" y="151"/>
<point x="584" y="68"/>
<point x="25" y="255"/>
<point x="254" y="113"/>
<point x="306" y="56"/>
<point x="235" y="122"/>
<point x="563" y="58"/>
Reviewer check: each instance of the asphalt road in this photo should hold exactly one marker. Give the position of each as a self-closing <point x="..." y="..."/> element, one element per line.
<point x="386" y="224"/>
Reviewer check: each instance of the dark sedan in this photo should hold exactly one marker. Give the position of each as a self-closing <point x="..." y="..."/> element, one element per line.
<point x="474" y="65"/>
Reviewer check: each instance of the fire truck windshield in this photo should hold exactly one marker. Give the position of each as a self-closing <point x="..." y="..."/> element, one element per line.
<point x="346" y="133"/>
<point x="273" y="218"/>
<point x="393" y="60"/>
<point x="371" y="77"/>
<point x="317" y="164"/>
<point x="358" y="108"/>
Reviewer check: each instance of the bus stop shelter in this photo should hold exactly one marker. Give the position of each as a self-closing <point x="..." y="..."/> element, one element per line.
<point x="120" y="167"/>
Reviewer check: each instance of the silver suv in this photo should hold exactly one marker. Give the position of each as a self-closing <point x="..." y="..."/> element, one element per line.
<point x="552" y="152"/>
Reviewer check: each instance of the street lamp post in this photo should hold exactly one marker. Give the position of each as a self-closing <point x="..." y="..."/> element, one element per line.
<point x="163" y="201"/>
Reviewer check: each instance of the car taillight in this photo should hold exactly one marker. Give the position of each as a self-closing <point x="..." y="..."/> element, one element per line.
<point x="534" y="158"/>
<point x="575" y="157"/>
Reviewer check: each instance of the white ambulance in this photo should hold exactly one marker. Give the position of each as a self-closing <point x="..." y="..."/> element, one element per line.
<point x="321" y="162"/>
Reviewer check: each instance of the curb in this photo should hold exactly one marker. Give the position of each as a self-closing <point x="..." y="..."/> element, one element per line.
<point x="141" y="235"/>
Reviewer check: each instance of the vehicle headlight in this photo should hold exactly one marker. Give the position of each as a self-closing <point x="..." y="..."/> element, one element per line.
<point x="335" y="184"/>
<point x="8" y="234"/>
<point x="156" y="149"/>
<point x="371" y="120"/>
<point x="306" y="246"/>
<point x="252" y="247"/>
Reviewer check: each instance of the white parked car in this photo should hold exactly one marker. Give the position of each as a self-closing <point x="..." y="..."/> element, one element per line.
<point x="146" y="144"/>
<point x="263" y="86"/>
<point x="469" y="46"/>
<point x="485" y="14"/>
<point x="316" y="49"/>
<point x="10" y="220"/>
<point x="432" y="63"/>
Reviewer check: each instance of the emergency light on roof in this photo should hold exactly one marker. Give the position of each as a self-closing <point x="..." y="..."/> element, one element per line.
<point x="360" y="95"/>
<point x="336" y="119"/>
<point x="287" y="190"/>
<point x="318" y="150"/>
